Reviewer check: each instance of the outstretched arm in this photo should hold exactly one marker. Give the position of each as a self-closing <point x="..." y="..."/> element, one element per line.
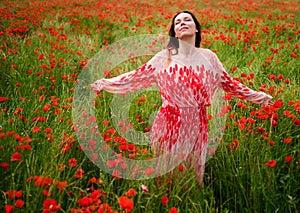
<point x="240" y="91"/>
<point x="137" y="79"/>
<point x="237" y="89"/>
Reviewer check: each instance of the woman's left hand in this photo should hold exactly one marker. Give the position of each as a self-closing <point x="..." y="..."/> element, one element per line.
<point x="268" y="100"/>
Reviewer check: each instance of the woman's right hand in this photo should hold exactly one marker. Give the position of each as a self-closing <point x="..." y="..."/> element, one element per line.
<point x="96" y="86"/>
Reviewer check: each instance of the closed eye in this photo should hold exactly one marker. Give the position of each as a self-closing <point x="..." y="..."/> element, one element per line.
<point x="185" y="19"/>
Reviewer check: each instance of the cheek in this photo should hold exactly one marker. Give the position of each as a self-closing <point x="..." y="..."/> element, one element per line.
<point x="192" y="26"/>
<point x="176" y="29"/>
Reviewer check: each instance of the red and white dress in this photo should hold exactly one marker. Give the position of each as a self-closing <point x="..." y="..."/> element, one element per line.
<point x="186" y="87"/>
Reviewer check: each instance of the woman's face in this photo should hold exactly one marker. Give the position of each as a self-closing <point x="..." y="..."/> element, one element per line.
<point x="184" y="25"/>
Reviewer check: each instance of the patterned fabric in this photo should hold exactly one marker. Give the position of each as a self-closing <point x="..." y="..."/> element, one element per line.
<point x="186" y="87"/>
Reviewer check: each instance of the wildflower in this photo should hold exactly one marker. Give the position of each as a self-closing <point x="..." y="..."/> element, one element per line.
<point x="131" y="192"/>
<point x="41" y="56"/>
<point x="16" y="157"/>
<point x="271" y="143"/>
<point x="288" y="158"/>
<point x="287" y="81"/>
<point x="72" y="162"/>
<point x="271" y="163"/>
<point x="96" y="194"/>
<point x="4" y="165"/>
<point x="287" y="140"/>
<point x="36" y="129"/>
<point x="234" y="144"/>
<point x="50" y="205"/>
<point x="61" y="185"/>
<point x="46" y="193"/>
<point x="111" y="163"/>
<point x="116" y="173"/>
<point x="126" y="203"/>
<point x="173" y="210"/>
<point x="3" y="99"/>
<point x="46" y="107"/>
<point x="48" y="130"/>
<point x="19" y="203"/>
<point x="85" y="201"/>
<point x="19" y="194"/>
<point x="280" y="77"/>
<point x="260" y="130"/>
<point x="95" y="180"/>
<point x="42" y="181"/>
<point x="164" y="200"/>
<point x="181" y="167"/>
<point x="12" y="194"/>
<point x="79" y="173"/>
<point x="8" y="208"/>
<point x="105" y="122"/>
<point x="144" y="188"/>
<point x="105" y="208"/>
<point x="149" y="171"/>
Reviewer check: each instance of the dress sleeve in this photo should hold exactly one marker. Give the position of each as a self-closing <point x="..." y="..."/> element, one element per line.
<point x="137" y="79"/>
<point x="234" y="87"/>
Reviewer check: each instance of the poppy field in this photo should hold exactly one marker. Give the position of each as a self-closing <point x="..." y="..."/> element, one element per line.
<point x="45" y="45"/>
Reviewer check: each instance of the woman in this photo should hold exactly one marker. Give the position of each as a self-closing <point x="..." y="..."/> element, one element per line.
<point x="187" y="77"/>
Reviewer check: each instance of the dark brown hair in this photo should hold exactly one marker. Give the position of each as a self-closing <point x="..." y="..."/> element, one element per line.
<point x="174" y="43"/>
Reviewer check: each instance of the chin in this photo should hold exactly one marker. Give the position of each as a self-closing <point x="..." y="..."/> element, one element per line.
<point x="185" y="35"/>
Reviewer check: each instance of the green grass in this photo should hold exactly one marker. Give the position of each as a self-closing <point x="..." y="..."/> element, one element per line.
<point x="236" y="180"/>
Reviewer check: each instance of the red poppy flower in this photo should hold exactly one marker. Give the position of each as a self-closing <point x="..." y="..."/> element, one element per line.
<point x="271" y="163"/>
<point x="149" y="171"/>
<point x="72" y="162"/>
<point x="79" y="173"/>
<point x="46" y="193"/>
<point x="131" y="192"/>
<point x="42" y="181"/>
<point x="173" y="210"/>
<point x="11" y="194"/>
<point x="287" y="140"/>
<point x="4" y="165"/>
<point x="16" y="157"/>
<point x="50" y="205"/>
<point x="48" y="130"/>
<point x="271" y="143"/>
<point x="288" y="158"/>
<point x="85" y="201"/>
<point x="8" y="208"/>
<point x="181" y="167"/>
<point x="96" y="194"/>
<point x="36" y="129"/>
<point x="116" y="173"/>
<point x="164" y="200"/>
<point x="297" y="122"/>
<point x="19" y="194"/>
<point x="19" y="203"/>
<point x="61" y="185"/>
<point x="126" y="203"/>
<point x="3" y="99"/>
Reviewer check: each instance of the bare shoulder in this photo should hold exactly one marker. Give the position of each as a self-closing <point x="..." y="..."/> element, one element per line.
<point x="162" y="53"/>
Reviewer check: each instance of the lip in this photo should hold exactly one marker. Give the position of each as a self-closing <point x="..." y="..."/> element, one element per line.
<point x="183" y="28"/>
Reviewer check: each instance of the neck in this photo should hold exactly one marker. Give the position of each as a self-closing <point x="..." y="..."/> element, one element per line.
<point x="186" y="47"/>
